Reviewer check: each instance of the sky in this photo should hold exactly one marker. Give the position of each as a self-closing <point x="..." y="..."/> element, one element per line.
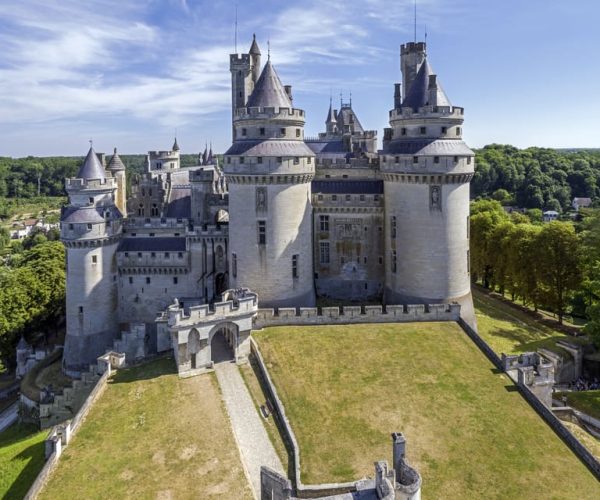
<point x="132" y="74"/>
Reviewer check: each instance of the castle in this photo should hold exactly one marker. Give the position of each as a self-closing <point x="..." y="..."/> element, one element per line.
<point x="289" y="217"/>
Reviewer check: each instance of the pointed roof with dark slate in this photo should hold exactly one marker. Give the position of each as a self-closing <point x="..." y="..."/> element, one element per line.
<point x="115" y="162"/>
<point x="269" y="92"/>
<point x="330" y="114"/>
<point x="91" y="168"/>
<point x="175" y="145"/>
<point x="254" y="47"/>
<point x="418" y="93"/>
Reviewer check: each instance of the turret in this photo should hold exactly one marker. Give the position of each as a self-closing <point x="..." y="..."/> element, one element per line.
<point x="412" y="55"/>
<point x="117" y="170"/>
<point x="269" y="169"/>
<point x="427" y="169"/>
<point x="245" y="70"/>
<point x="331" y="120"/>
<point x="91" y="226"/>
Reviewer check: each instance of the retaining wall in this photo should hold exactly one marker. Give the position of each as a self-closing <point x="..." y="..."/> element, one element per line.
<point x="356" y="314"/>
<point x="546" y="413"/>
<point x="60" y="435"/>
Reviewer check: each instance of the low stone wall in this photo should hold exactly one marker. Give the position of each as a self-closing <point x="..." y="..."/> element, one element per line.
<point x="546" y="413"/>
<point x="302" y="490"/>
<point x="60" y="435"/>
<point x="356" y="314"/>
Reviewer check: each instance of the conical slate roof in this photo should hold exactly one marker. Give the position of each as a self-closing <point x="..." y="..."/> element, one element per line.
<point x="115" y="162"/>
<point x="418" y="93"/>
<point x="175" y="145"/>
<point x="91" y="168"/>
<point x="330" y="114"/>
<point x="254" y="47"/>
<point x="269" y="92"/>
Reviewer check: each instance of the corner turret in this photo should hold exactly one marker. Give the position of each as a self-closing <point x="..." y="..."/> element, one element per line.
<point x="91" y="228"/>
<point x="117" y="170"/>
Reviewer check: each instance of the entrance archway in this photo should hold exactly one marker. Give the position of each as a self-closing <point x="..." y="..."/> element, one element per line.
<point x="223" y="343"/>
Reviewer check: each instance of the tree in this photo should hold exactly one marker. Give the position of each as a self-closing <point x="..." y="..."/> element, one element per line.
<point x="559" y="265"/>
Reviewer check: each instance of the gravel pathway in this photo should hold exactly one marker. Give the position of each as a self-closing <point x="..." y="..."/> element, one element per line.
<point x="251" y="437"/>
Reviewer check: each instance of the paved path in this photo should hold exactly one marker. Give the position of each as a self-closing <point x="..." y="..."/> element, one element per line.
<point x="252" y="439"/>
<point x="9" y="416"/>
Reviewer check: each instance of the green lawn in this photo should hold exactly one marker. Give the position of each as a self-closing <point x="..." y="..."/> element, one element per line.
<point x="347" y="387"/>
<point x="585" y="401"/>
<point x="153" y="435"/>
<point x="21" y="459"/>
<point x="508" y="330"/>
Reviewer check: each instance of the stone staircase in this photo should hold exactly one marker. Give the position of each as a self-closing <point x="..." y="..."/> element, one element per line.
<point x="66" y="405"/>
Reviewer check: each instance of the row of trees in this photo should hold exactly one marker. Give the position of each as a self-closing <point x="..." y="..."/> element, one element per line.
<point x="536" y="177"/>
<point x="555" y="265"/>
<point x="32" y="294"/>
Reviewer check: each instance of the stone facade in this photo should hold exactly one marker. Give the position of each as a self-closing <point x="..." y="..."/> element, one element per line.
<point x="289" y="217"/>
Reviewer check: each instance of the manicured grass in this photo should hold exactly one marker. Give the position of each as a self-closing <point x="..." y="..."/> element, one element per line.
<point x="21" y="459"/>
<point x="585" y="401"/>
<point x="153" y="435"/>
<point x="508" y="330"/>
<point x="470" y="433"/>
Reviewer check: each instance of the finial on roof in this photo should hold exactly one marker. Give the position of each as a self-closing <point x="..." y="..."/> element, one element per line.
<point x="350" y="98"/>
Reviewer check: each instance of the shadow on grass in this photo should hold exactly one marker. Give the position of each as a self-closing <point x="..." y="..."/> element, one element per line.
<point x="511" y="388"/>
<point x="33" y="455"/>
<point x="496" y="371"/>
<point x="148" y="370"/>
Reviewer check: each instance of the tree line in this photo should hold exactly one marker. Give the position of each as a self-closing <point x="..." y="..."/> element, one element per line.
<point x="540" y="178"/>
<point x="554" y="266"/>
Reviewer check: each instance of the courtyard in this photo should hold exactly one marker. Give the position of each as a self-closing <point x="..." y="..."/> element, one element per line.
<point x="153" y="435"/>
<point x="346" y="388"/>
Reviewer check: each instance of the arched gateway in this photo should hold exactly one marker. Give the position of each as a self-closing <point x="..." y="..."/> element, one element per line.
<point x="204" y="335"/>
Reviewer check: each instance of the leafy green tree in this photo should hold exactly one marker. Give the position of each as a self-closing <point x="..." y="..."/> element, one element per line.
<point x="559" y="265"/>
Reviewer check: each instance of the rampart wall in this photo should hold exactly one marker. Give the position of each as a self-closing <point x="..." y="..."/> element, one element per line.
<point x="356" y="314"/>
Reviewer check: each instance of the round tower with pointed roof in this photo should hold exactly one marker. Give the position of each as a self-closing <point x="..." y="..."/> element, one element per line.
<point x="116" y="168"/>
<point x="269" y="170"/>
<point x="91" y="227"/>
<point x="427" y="169"/>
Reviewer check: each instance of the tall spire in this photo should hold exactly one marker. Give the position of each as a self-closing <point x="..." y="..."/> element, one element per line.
<point x="254" y="50"/>
<point x="205" y="154"/>
<point x="175" y="145"/>
<point x="330" y="113"/>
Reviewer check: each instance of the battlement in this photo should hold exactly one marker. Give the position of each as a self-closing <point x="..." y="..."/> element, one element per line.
<point x="401" y="313"/>
<point x="455" y="112"/>
<point x="239" y="59"/>
<point x="158" y="155"/>
<point x="256" y="113"/>
<point x="407" y="48"/>
<point x="235" y="303"/>
<point x="77" y="184"/>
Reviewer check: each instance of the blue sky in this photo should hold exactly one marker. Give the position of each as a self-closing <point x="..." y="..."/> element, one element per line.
<point x="128" y="73"/>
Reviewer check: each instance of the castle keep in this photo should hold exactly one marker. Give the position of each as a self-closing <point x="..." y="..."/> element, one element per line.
<point x="288" y="217"/>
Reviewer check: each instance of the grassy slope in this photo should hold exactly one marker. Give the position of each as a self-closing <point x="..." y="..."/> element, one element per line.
<point x="21" y="459"/>
<point x="152" y="435"/>
<point x="346" y="388"/>
<point x="511" y="331"/>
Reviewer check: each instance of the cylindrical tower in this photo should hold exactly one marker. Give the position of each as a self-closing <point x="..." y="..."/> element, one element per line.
<point x="90" y="230"/>
<point x="117" y="170"/>
<point x="269" y="169"/>
<point x="427" y="169"/>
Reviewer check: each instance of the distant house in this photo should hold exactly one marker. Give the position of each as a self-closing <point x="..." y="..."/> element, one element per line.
<point x="549" y="215"/>
<point x="22" y="229"/>
<point x="581" y="203"/>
